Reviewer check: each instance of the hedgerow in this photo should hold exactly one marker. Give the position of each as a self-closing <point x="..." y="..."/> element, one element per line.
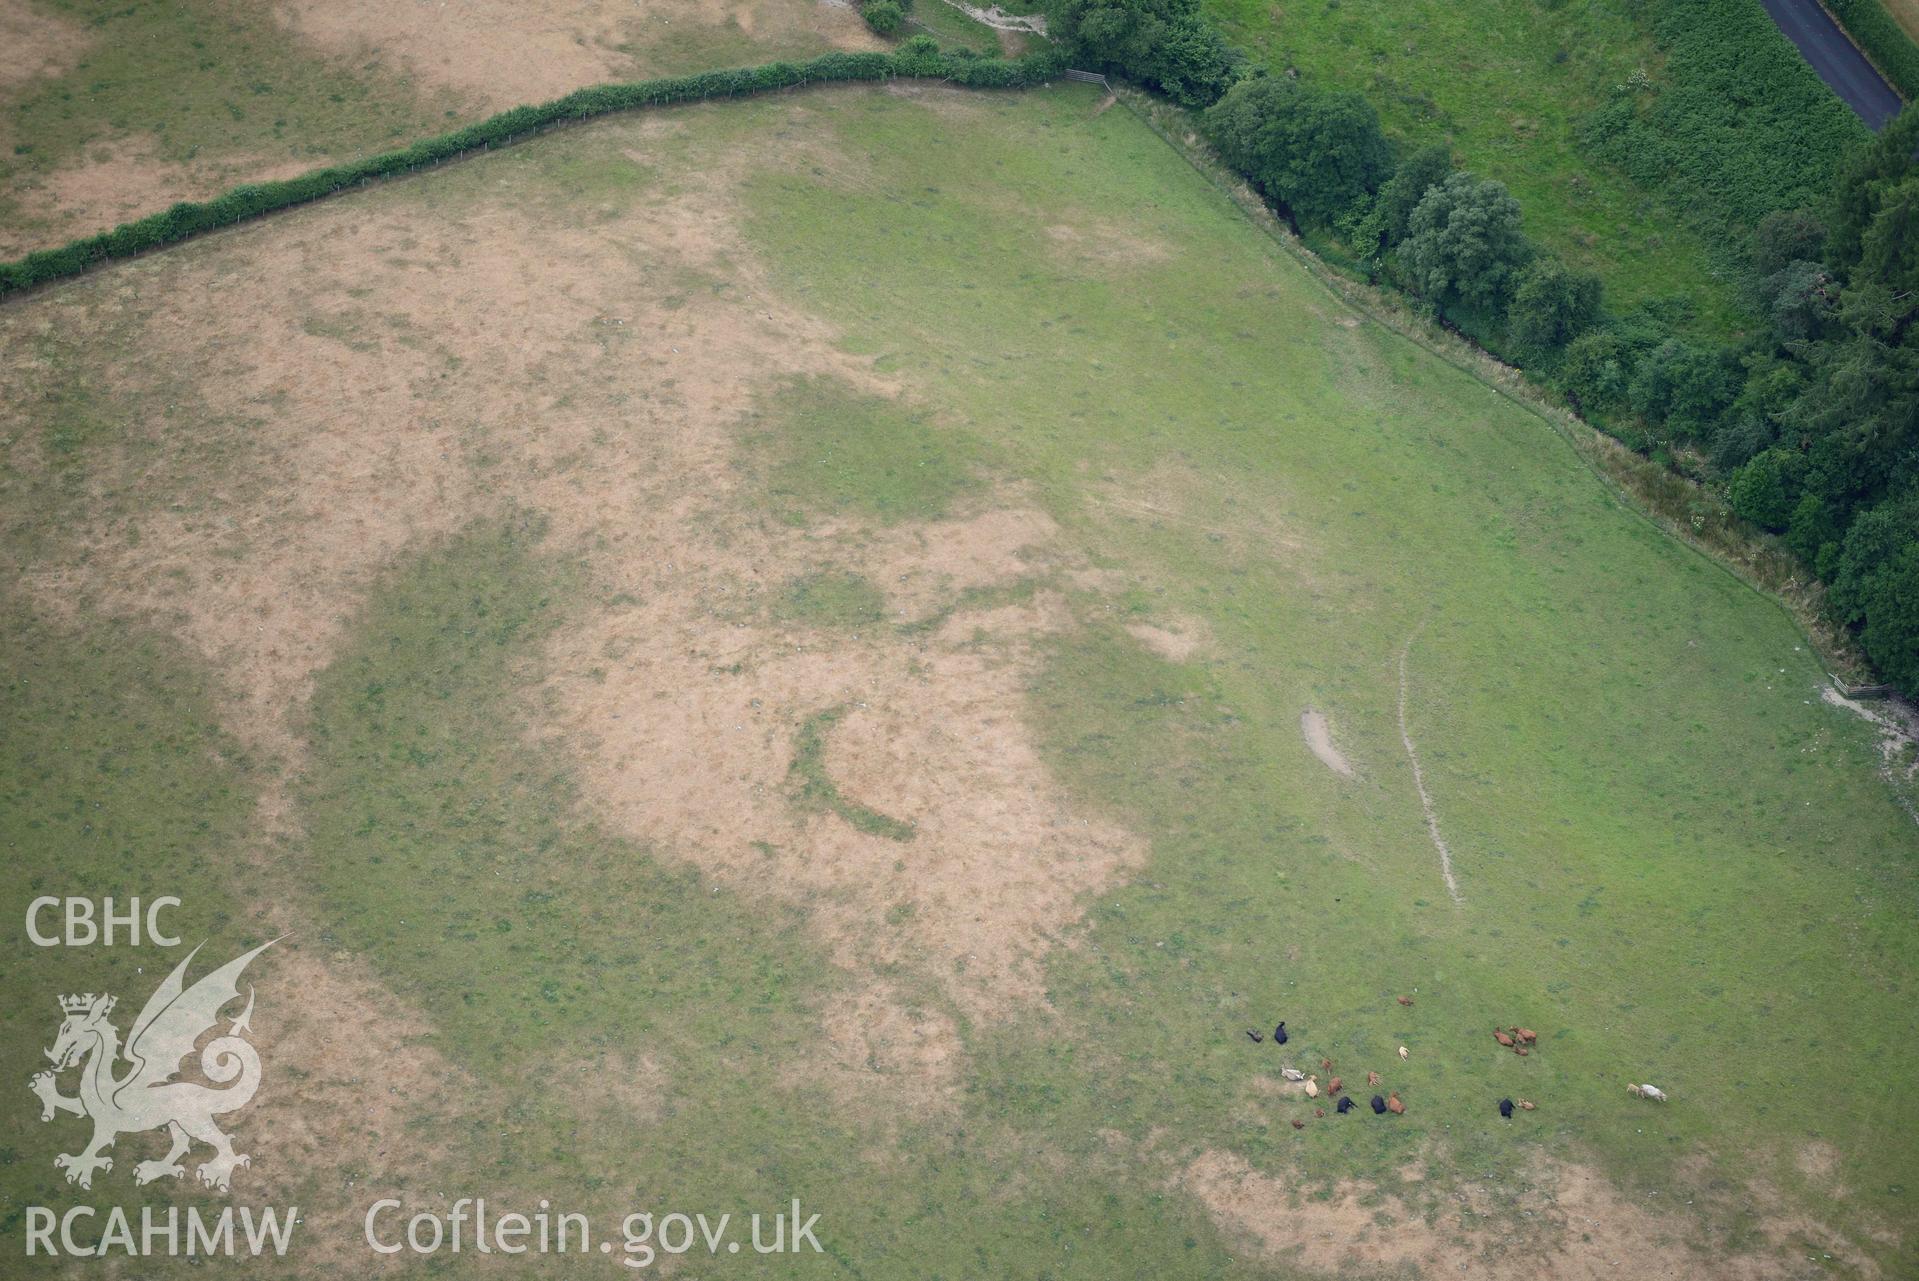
<point x="1884" y="41"/>
<point x="919" y="59"/>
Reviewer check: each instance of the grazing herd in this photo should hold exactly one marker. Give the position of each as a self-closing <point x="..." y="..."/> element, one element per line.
<point x="1309" y="1081"/>
<point x="1520" y="1040"/>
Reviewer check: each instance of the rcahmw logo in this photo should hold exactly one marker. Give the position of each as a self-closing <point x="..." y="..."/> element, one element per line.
<point x="145" y="1094"/>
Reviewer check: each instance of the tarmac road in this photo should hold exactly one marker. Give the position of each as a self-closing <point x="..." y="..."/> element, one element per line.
<point x="1838" y="62"/>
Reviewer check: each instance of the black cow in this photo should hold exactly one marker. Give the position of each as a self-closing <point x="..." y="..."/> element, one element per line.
<point x="1279" y="1033"/>
<point x="1346" y="1105"/>
<point x="1379" y="1106"/>
<point x="1506" y="1108"/>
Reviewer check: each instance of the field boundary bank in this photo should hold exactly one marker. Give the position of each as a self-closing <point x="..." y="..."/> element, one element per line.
<point x="1795" y="600"/>
<point x="187" y="220"/>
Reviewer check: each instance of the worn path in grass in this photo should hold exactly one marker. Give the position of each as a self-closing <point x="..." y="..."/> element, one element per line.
<point x="790" y="668"/>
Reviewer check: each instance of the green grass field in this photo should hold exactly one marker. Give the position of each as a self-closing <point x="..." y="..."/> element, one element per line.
<point x="494" y="468"/>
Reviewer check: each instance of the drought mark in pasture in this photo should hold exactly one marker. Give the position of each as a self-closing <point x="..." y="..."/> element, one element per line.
<point x="503" y="54"/>
<point x="351" y="1068"/>
<point x="877" y="1040"/>
<point x="124" y="178"/>
<point x="1578" y="1227"/>
<point x="1419" y="776"/>
<point x="37" y="44"/>
<point x="1319" y="737"/>
<point x="1175" y="643"/>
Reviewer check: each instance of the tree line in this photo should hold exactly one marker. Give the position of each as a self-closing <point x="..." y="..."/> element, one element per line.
<point x="1809" y="425"/>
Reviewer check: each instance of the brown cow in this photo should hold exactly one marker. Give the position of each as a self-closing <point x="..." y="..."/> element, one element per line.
<point x="1502" y="1038"/>
<point x="1393" y="1104"/>
<point x="1372" y="1078"/>
<point x="1405" y="1000"/>
<point x="1526" y="1034"/>
<point x="1332" y="1087"/>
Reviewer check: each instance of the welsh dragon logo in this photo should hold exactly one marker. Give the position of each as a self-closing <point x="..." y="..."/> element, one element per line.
<point x="146" y="1096"/>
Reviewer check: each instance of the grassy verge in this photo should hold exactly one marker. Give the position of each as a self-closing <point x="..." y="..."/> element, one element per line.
<point x="1889" y="44"/>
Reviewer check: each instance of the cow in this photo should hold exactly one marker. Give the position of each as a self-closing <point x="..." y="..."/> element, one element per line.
<point x="1379" y="1106"/>
<point x="1506" y="1108"/>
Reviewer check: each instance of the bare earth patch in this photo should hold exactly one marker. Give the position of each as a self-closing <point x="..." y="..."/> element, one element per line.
<point x="1579" y="1228"/>
<point x="1176" y="642"/>
<point x="1319" y="736"/>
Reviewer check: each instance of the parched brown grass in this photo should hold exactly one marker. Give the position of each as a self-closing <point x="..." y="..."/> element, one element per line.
<point x="1578" y="1228"/>
<point x="502" y="53"/>
<point x="352" y="76"/>
<point x="267" y="422"/>
<point x="35" y="44"/>
<point x="377" y="374"/>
